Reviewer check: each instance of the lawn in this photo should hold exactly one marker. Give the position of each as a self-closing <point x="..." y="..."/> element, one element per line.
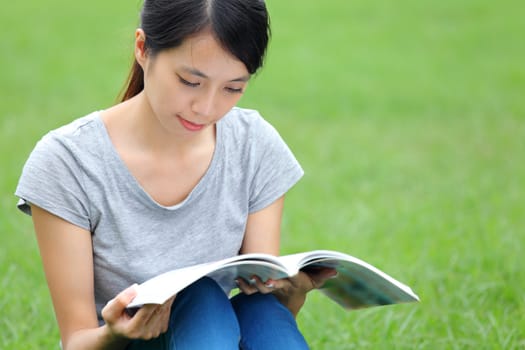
<point x="408" y="118"/>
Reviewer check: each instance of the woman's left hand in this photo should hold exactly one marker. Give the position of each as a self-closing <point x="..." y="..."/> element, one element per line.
<point x="292" y="291"/>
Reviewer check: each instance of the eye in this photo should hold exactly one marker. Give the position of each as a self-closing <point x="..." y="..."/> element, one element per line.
<point x="187" y="83"/>
<point x="233" y="90"/>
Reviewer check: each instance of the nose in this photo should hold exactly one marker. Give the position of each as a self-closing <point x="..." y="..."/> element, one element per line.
<point x="204" y="104"/>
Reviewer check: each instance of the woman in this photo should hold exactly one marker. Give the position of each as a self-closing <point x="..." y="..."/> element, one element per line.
<point x="172" y="176"/>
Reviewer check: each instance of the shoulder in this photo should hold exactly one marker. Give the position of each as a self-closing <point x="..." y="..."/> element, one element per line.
<point x="81" y="134"/>
<point x="79" y="129"/>
<point x="52" y="176"/>
<point x="246" y="133"/>
<point x="248" y="125"/>
<point x="264" y="158"/>
<point x="245" y="117"/>
<point x="68" y="146"/>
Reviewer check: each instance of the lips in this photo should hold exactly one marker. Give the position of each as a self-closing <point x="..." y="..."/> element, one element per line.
<point x="189" y="125"/>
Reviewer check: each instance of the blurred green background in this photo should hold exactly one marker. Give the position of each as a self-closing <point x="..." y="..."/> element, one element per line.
<point x="408" y="118"/>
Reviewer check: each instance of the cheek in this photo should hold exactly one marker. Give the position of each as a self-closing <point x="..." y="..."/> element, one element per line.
<point x="165" y="92"/>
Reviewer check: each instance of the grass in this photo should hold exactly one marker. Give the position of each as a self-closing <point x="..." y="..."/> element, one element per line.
<point x="408" y="118"/>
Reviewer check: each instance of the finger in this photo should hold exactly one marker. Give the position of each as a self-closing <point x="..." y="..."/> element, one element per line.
<point x="320" y="276"/>
<point x="162" y="312"/>
<point x="114" y="309"/>
<point x="145" y="313"/>
<point x="245" y="287"/>
<point x="166" y="313"/>
<point x="310" y="279"/>
<point x="159" y="319"/>
<point x="263" y="287"/>
<point x="284" y="283"/>
<point x="145" y="324"/>
<point x="302" y="282"/>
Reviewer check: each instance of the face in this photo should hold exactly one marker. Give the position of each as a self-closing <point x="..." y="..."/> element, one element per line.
<point x="191" y="87"/>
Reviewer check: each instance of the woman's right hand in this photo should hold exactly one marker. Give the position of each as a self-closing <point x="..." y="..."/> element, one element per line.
<point x="67" y="256"/>
<point x="149" y="322"/>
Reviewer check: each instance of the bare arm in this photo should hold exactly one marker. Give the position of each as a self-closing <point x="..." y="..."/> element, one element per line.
<point x="263" y="230"/>
<point x="67" y="257"/>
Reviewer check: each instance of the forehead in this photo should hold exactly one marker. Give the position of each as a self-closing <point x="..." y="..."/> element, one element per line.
<point x="203" y="53"/>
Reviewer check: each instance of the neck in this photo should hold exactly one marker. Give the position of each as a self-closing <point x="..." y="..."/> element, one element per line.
<point x="135" y="121"/>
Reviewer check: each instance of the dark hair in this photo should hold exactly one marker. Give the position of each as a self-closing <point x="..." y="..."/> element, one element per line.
<point x="240" y="26"/>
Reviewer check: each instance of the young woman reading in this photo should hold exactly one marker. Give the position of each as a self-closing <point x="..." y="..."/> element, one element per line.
<point x="172" y="176"/>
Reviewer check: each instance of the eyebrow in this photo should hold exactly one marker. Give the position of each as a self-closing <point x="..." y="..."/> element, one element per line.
<point x="198" y="73"/>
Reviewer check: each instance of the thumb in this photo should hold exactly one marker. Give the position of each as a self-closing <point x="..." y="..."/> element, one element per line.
<point x="115" y="307"/>
<point x="320" y="276"/>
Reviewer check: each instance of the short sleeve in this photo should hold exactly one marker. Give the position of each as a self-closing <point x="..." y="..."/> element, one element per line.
<point x="276" y="171"/>
<point x="51" y="179"/>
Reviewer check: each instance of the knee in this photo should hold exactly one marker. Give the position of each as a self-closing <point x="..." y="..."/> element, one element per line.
<point x="204" y="287"/>
<point x="204" y="294"/>
<point x="274" y="327"/>
<point x="260" y="304"/>
<point x="202" y="317"/>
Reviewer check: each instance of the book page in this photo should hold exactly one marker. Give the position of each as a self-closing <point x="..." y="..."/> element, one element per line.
<point x="246" y="269"/>
<point x="361" y="286"/>
<point x="160" y="288"/>
<point x="358" y="284"/>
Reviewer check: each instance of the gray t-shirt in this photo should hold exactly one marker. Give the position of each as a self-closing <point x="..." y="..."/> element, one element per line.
<point x="74" y="172"/>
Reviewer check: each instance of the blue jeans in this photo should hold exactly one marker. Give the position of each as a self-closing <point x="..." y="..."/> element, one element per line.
<point x="203" y="317"/>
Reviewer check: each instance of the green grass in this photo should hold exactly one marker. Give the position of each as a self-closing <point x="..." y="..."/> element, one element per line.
<point x="407" y="116"/>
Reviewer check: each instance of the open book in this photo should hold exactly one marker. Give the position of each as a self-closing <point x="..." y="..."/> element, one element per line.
<point x="357" y="284"/>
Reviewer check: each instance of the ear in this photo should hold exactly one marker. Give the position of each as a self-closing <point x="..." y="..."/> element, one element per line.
<point x="140" y="47"/>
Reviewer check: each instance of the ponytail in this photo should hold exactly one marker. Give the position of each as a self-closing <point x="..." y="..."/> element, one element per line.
<point x="134" y="84"/>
